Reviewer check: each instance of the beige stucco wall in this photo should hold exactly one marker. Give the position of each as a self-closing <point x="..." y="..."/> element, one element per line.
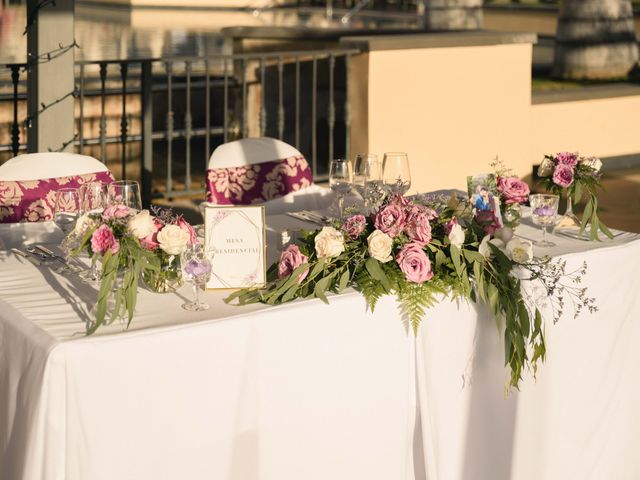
<point x="451" y="109"/>
<point x="603" y="127"/>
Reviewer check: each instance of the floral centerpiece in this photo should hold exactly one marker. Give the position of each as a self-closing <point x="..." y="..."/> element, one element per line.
<point x="579" y="176"/>
<point x="512" y="193"/>
<point x="131" y="245"/>
<point x="421" y="250"/>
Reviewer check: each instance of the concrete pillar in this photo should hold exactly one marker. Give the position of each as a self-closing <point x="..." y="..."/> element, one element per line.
<point x="50" y="81"/>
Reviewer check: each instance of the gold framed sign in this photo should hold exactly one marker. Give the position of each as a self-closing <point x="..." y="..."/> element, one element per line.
<point x="235" y="237"/>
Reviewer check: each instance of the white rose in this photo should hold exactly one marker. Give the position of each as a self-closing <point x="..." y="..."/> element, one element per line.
<point x="520" y="251"/>
<point x="592" y="162"/>
<point x="173" y="239"/>
<point x="84" y="224"/>
<point x="380" y="246"/>
<point x="546" y="167"/>
<point x="141" y="224"/>
<point x="485" y="250"/>
<point x="456" y="236"/>
<point x="329" y="243"/>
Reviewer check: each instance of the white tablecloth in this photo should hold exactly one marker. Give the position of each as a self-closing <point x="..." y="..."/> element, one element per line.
<point x="310" y="391"/>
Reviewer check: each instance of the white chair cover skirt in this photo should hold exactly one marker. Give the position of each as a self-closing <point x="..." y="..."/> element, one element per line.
<point x="249" y="151"/>
<point x="36" y="166"/>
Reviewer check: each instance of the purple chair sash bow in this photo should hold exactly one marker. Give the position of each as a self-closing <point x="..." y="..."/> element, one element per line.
<point x="34" y="200"/>
<point x="257" y="183"/>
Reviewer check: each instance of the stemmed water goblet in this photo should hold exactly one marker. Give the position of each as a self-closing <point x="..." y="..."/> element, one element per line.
<point x="196" y="269"/>
<point x="396" y="174"/>
<point x="367" y="178"/>
<point x="125" y="192"/>
<point x="544" y="212"/>
<point x="94" y="201"/>
<point x="341" y="180"/>
<point x="65" y="215"/>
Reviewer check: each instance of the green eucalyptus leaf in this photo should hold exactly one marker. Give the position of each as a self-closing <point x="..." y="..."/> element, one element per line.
<point x="374" y="269"/>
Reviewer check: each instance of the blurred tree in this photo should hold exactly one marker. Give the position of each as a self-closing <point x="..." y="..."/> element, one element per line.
<point x="595" y="39"/>
<point x="452" y="14"/>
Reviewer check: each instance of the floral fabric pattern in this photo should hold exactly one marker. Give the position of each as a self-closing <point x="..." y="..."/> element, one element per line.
<point x="34" y="200"/>
<point x="257" y="183"/>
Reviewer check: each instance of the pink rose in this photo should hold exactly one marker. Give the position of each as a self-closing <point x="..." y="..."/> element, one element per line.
<point x="449" y="225"/>
<point x="401" y="200"/>
<point x="103" y="240"/>
<point x="115" y="211"/>
<point x="354" y="226"/>
<point x="390" y="219"/>
<point x="513" y="190"/>
<point x="567" y="158"/>
<point x="563" y="175"/>
<point x="290" y="259"/>
<point x="150" y="242"/>
<point x="418" y="227"/>
<point x="488" y="221"/>
<point x="414" y="263"/>
<point x="184" y="225"/>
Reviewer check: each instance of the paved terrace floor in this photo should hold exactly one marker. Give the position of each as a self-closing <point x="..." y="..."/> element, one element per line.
<point x="619" y="204"/>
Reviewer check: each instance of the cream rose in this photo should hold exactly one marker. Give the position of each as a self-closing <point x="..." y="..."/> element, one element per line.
<point x="84" y="223"/>
<point x="329" y="243"/>
<point x="173" y="239"/>
<point x="520" y="251"/>
<point x="141" y="224"/>
<point x="456" y="236"/>
<point x="546" y="167"/>
<point x="592" y="162"/>
<point x="380" y="246"/>
<point x="485" y="250"/>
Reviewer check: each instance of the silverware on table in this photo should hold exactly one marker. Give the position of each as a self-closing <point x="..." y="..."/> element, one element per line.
<point x="51" y="255"/>
<point x="22" y="254"/>
<point x="43" y="257"/>
<point x="305" y="218"/>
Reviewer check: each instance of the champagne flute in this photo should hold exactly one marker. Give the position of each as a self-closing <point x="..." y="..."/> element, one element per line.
<point x="362" y="169"/>
<point x="340" y="180"/>
<point x="196" y="269"/>
<point x="544" y="212"/>
<point x="125" y="192"/>
<point x="66" y="209"/>
<point x="396" y="174"/>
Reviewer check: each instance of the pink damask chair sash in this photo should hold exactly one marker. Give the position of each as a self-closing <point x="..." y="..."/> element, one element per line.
<point x="34" y="200"/>
<point x="259" y="182"/>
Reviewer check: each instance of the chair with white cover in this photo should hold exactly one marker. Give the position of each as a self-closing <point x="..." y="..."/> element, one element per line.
<point x="263" y="171"/>
<point x="28" y="183"/>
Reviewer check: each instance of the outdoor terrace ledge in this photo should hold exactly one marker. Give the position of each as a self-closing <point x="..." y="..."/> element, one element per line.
<point x="437" y="40"/>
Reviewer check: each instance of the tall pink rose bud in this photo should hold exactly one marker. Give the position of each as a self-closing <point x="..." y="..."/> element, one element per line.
<point x="418" y="227"/>
<point x="567" y="158"/>
<point x="449" y="225"/>
<point x="414" y="263"/>
<point x="184" y="225"/>
<point x="116" y="211"/>
<point x="354" y="226"/>
<point x="290" y="259"/>
<point x="398" y="199"/>
<point x="563" y="175"/>
<point x="513" y="190"/>
<point x="150" y="242"/>
<point x="390" y="219"/>
<point x="103" y="240"/>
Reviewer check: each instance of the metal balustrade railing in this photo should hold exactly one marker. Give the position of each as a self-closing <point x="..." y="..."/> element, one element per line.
<point x="159" y="119"/>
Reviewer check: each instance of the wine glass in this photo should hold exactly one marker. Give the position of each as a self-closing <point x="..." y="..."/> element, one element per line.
<point x="544" y="212"/>
<point x="125" y="192"/>
<point x="340" y="180"/>
<point x="367" y="178"/>
<point x="66" y="209"/>
<point x="396" y="175"/>
<point x="196" y="269"/>
<point x="94" y="197"/>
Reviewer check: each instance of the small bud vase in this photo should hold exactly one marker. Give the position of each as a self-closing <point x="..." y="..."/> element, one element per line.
<point x="168" y="279"/>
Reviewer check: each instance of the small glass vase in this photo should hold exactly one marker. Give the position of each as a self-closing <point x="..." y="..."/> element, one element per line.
<point x="568" y="221"/>
<point x="168" y="279"/>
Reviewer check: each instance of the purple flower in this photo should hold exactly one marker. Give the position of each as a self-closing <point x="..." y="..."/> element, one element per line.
<point x="417" y="226"/>
<point x="354" y="226"/>
<point x="390" y="219"/>
<point x="103" y="240"/>
<point x="544" y="211"/>
<point x="290" y="259"/>
<point x="513" y="190"/>
<point x="414" y="263"/>
<point x="563" y="175"/>
<point x="197" y="268"/>
<point x="567" y="158"/>
<point x="488" y="221"/>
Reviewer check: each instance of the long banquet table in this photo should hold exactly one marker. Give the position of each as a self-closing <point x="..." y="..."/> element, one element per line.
<point x="310" y="391"/>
